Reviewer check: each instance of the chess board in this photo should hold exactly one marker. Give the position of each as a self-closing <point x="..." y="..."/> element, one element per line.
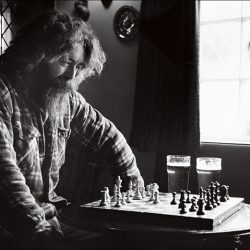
<point x="145" y="212"/>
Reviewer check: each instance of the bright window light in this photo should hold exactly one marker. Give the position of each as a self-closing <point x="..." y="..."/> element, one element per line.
<point x="225" y="71"/>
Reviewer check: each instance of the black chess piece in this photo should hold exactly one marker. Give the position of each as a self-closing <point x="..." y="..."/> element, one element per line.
<point x="182" y="206"/>
<point x="188" y="200"/>
<point x="193" y="207"/>
<point x="208" y="205"/>
<point x="217" y="193"/>
<point x="173" y="202"/>
<point x="201" y="192"/>
<point x="182" y="198"/>
<point x="223" y="193"/>
<point x="200" y="203"/>
<point x="212" y="189"/>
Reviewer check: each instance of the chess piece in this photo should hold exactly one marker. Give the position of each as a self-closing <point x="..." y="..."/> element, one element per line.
<point x="113" y="199"/>
<point x="119" y="184"/>
<point x="143" y="193"/>
<point x="108" y="198"/>
<point x="208" y="205"/>
<point x="156" y="197"/>
<point x="128" y="200"/>
<point x="104" y="198"/>
<point x="223" y="193"/>
<point x="118" y="202"/>
<point x="131" y="193"/>
<point x="182" y="198"/>
<point x="188" y="197"/>
<point x="201" y="192"/>
<point x="148" y="192"/>
<point x="152" y="195"/>
<point x="217" y="193"/>
<point x="137" y="195"/>
<point x="193" y="207"/>
<point x="182" y="206"/>
<point x="200" y="203"/>
<point x="123" y="202"/>
<point x="212" y="189"/>
<point x="173" y="202"/>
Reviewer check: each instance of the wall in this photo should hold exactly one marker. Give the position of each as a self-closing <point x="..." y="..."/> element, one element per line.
<point x="113" y="92"/>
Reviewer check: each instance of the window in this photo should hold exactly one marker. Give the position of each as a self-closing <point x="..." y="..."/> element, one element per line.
<point x="225" y="71"/>
<point x="6" y="22"/>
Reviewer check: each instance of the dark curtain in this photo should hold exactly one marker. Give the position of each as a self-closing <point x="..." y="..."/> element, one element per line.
<point x="166" y="104"/>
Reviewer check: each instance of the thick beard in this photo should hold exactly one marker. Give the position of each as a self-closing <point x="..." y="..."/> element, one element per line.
<point x="56" y="96"/>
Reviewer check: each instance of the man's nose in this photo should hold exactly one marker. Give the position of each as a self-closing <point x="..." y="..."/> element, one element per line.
<point x="71" y="72"/>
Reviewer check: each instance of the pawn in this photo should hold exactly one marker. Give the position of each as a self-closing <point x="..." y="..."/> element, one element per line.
<point x="128" y="200"/>
<point x="200" y="203"/>
<point x="123" y="202"/>
<point x="188" y="197"/>
<point x="137" y="195"/>
<point x="156" y="195"/>
<point x="118" y="202"/>
<point x="148" y="193"/>
<point x="182" y="206"/>
<point x="173" y="202"/>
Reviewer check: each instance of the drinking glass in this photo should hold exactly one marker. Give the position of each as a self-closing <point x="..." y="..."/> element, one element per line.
<point x="208" y="170"/>
<point x="178" y="168"/>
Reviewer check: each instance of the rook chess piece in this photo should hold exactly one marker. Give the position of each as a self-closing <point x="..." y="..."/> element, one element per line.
<point x="104" y="198"/>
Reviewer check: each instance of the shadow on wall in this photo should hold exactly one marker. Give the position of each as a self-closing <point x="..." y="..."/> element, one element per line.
<point x="235" y="166"/>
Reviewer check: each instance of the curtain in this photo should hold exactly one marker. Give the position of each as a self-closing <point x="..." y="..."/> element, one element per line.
<point x="166" y="104"/>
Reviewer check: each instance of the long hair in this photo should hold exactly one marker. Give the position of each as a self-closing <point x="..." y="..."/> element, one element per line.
<point x="50" y="35"/>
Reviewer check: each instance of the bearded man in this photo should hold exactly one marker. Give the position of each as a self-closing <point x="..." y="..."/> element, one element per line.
<point x="40" y="109"/>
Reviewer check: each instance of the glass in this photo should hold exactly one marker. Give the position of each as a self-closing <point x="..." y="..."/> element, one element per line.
<point x="208" y="170"/>
<point x="178" y="167"/>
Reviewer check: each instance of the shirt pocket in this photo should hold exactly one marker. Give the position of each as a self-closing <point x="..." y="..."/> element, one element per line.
<point x="26" y="146"/>
<point x="63" y="135"/>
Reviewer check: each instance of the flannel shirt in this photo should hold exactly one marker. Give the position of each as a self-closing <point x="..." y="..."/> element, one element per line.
<point x="32" y="149"/>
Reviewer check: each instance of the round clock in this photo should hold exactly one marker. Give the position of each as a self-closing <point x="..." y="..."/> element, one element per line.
<point x="126" y="23"/>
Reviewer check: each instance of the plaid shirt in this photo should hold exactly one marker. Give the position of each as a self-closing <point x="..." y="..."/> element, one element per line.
<point x="32" y="150"/>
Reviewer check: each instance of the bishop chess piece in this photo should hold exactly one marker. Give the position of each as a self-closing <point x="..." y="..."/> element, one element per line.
<point x="182" y="198"/>
<point x="173" y="202"/>
<point x="188" y="200"/>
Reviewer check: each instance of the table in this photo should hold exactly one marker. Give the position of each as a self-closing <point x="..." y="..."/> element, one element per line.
<point x="233" y="233"/>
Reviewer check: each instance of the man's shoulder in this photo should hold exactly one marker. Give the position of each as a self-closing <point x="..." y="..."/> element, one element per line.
<point x="4" y="86"/>
<point x="77" y="99"/>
